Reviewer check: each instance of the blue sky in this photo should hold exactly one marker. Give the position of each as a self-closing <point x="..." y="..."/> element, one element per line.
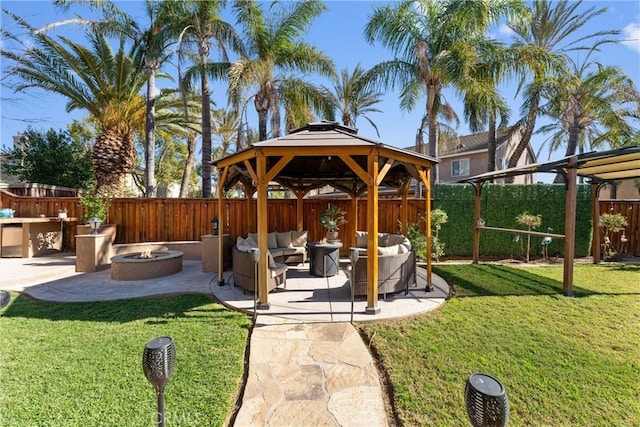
<point x="338" y="33"/>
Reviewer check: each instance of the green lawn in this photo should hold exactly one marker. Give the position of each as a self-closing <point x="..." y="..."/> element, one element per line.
<point x="80" y="364"/>
<point x="564" y="361"/>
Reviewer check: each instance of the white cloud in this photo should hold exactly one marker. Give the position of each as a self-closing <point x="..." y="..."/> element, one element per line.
<point x="631" y="36"/>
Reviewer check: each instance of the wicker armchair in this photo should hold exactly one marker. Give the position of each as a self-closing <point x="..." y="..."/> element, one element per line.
<point x="396" y="271"/>
<point x="244" y="272"/>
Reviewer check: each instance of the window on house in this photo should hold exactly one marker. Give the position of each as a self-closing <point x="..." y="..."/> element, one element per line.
<point x="501" y="163"/>
<point x="460" y="167"/>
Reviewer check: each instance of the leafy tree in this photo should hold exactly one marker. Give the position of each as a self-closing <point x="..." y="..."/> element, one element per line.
<point x="51" y="157"/>
<point x="352" y="98"/>
<point x="433" y="41"/>
<point x="274" y="48"/>
<point x="542" y="44"/>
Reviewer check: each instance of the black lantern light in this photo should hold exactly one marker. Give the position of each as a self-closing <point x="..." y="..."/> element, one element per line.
<point x="215" y="223"/>
<point x="158" y="361"/>
<point x="486" y="401"/>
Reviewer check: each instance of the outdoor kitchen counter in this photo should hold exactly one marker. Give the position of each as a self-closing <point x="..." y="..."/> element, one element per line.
<point x="28" y="237"/>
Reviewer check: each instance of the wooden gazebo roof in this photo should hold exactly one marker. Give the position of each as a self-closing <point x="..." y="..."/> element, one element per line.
<point x="316" y="155"/>
<point x="320" y="164"/>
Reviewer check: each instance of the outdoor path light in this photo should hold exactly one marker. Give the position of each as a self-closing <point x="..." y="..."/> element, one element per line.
<point x="354" y="254"/>
<point x="158" y="360"/>
<point x="94" y="223"/>
<point x="215" y="223"/>
<point x="486" y="401"/>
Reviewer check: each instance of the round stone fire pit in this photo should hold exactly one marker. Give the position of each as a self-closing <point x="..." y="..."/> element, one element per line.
<point x="145" y="265"/>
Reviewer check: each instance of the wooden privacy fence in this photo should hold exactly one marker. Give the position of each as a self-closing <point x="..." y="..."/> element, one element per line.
<point x="630" y="209"/>
<point x="149" y="220"/>
<point x="154" y="219"/>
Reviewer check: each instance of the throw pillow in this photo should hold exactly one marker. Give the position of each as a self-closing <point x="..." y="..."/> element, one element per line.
<point x="284" y="240"/>
<point x="299" y="238"/>
<point x="388" y="250"/>
<point x="272" y="262"/>
<point x="243" y="245"/>
<point x="272" y="243"/>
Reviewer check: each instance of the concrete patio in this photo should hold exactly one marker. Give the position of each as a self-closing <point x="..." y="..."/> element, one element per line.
<point x="307" y="363"/>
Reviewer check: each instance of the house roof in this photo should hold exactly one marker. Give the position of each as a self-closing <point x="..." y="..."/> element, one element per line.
<point x="325" y="153"/>
<point x="600" y="166"/>
<point x="468" y="143"/>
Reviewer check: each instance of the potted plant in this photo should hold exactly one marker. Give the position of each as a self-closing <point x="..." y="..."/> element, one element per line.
<point x="96" y="206"/>
<point x="331" y="219"/>
<point x="610" y="224"/>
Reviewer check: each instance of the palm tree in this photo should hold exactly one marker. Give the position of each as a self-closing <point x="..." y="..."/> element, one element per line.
<point x="541" y="48"/>
<point x="107" y="84"/>
<point x="433" y="41"/>
<point x="482" y="102"/>
<point x="154" y="41"/>
<point x="352" y="98"/>
<point x="273" y="48"/>
<point x="592" y="106"/>
<point x="204" y="27"/>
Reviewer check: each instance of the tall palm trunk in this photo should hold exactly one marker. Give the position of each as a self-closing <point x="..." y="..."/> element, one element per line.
<point x="150" y="134"/>
<point x="491" y="143"/>
<point x="261" y="102"/>
<point x="432" y="114"/>
<point x="113" y="157"/>
<point x="526" y="135"/>
<point x="572" y="146"/>
<point x="188" y="165"/>
<point x="206" y="127"/>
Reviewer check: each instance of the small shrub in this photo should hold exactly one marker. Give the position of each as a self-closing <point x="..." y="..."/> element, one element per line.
<point x="530" y="221"/>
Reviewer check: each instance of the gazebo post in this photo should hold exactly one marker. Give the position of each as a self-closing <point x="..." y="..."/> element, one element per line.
<point x="354" y="221"/>
<point x="570" y="225"/>
<point x="300" y="209"/>
<point x="404" y="209"/>
<point x="372" y="236"/>
<point x="222" y="220"/>
<point x="248" y="191"/>
<point x="263" y="264"/>
<point x="427" y="208"/>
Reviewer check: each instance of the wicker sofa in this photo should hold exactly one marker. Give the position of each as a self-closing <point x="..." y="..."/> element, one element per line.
<point x="244" y="272"/>
<point x="396" y="264"/>
<point x="286" y="247"/>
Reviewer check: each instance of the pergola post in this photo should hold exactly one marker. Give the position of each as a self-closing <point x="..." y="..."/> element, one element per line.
<point x="570" y="226"/>
<point x="595" y="214"/>
<point x="476" y="216"/>
<point x="372" y="236"/>
<point x="263" y="264"/>
<point x="427" y="209"/>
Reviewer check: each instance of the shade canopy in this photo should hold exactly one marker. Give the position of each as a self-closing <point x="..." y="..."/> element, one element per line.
<point x="599" y="166"/>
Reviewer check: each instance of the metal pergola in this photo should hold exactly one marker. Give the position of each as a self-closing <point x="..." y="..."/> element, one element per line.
<point x="600" y="167"/>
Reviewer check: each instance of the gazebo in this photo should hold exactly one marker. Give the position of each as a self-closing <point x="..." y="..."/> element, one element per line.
<point x="314" y="156"/>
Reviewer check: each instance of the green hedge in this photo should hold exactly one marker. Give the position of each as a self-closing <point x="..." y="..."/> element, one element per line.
<point x="500" y="206"/>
